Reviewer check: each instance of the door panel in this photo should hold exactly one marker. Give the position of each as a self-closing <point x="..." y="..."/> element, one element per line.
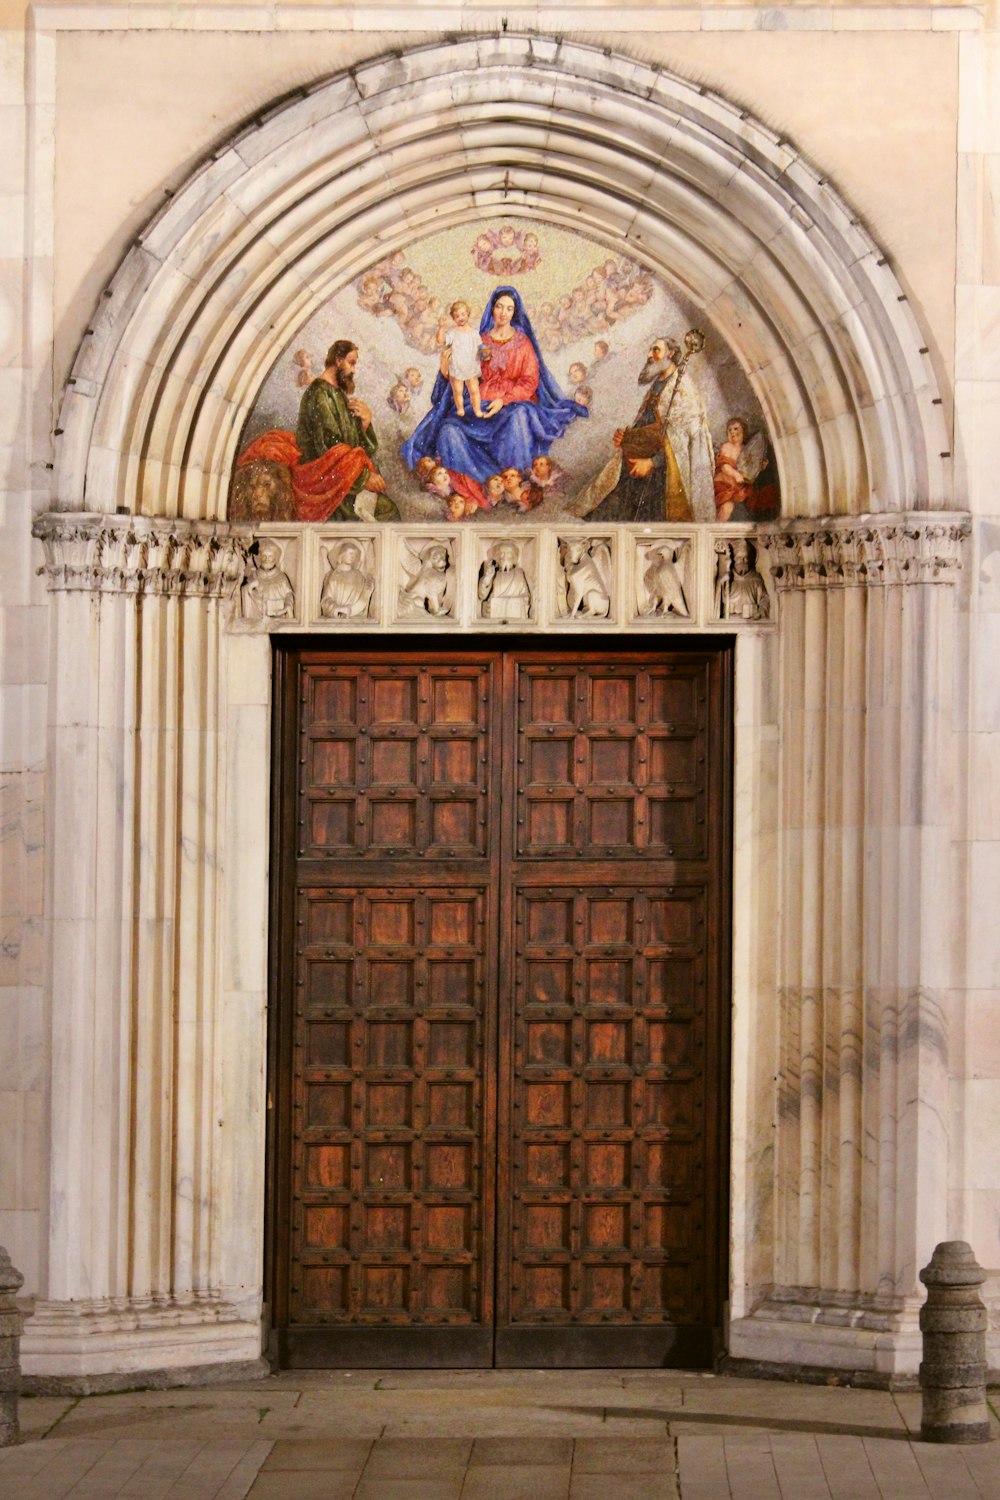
<point x="499" y="1058"/>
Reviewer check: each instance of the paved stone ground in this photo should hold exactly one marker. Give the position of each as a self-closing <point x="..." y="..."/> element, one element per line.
<point x="490" y="1435"/>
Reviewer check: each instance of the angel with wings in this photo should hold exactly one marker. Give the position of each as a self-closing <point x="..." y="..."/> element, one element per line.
<point x="586" y="580"/>
<point x="738" y="463"/>
<point x="431" y="586"/>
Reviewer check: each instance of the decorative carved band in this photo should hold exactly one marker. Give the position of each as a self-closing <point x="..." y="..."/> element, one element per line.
<point x="865" y="551"/>
<point x="142" y="554"/>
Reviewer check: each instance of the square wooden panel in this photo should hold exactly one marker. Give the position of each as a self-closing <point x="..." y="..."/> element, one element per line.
<point x="389" y="1044"/>
<point x="674" y="698"/>
<point x="450" y="1105"/>
<point x="393" y="823"/>
<point x="669" y="1103"/>
<point x="390" y="982"/>
<point x="670" y="1044"/>
<point x="455" y="823"/>
<point x="609" y="981"/>
<point x="451" y="1044"/>
<point x="611" y="821"/>
<point x="388" y="1106"/>
<point x="608" y="1042"/>
<point x="447" y="1288"/>
<point x="393" y="762"/>
<point x="672" y="760"/>
<point x="451" y="982"/>
<point x="549" y="921"/>
<point x="607" y="1226"/>
<point x="449" y="1165"/>
<point x="673" y="824"/>
<point x="672" y="920"/>
<point x="391" y="922"/>
<point x="670" y="1291"/>
<point x="328" y="1044"/>
<point x="671" y="982"/>
<point x="546" y="1226"/>
<point x="388" y="1166"/>
<point x="329" y="983"/>
<point x="670" y="1226"/>
<point x="332" y="825"/>
<point x="394" y="700"/>
<point x="324" y="1290"/>
<point x="612" y="761"/>
<point x="549" y="1043"/>
<point x="545" y="1288"/>
<point x="452" y="922"/>
<point x="455" y="700"/>
<point x="612" y="698"/>
<point x="385" y="1288"/>
<point x="547" y="1104"/>
<point x="607" y="1164"/>
<point x="551" y="698"/>
<point x="333" y="700"/>
<point x="610" y="920"/>
<point x="386" y="1226"/>
<point x="329" y="920"/>
<point x="607" y="1288"/>
<point x="608" y="1104"/>
<point x="548" y="823"/>
<point x="548" y="981"/>
<point x="328" y="1105"/>
<point x="448" y="1227"/>
<point x="334" y="763"/>
<point x="671" y="1164"/>
<point x="454" y="761"/>
<point x="550" y="761"/>
<point x="327" y="1166"/>
<point x="546" y="1164"/>
<point x="326" y="1226"/>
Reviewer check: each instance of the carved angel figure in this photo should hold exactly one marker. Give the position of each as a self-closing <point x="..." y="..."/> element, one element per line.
<point x="267" y="593"/>
<point x="504" y="592"/>
<point x="431" y="586"/>
<point x="586" y="580"/>
<point x="347" y="588"/>
<point x="662" y="582"/>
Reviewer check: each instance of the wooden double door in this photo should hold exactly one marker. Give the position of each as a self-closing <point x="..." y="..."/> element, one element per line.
<point x="498" y="1064"/>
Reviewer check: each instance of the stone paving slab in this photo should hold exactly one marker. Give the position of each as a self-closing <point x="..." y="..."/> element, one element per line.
<point x="490" y="1435"/>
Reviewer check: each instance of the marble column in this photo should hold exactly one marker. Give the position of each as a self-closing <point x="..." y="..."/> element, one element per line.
<point x="136" y="1277"/>
<point x="867" y="935"/>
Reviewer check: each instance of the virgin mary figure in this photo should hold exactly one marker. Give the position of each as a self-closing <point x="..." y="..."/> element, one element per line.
<point x="524" y="411"/>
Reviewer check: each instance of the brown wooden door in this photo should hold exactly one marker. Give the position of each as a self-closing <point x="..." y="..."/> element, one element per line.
<point x="498" y="1060"/>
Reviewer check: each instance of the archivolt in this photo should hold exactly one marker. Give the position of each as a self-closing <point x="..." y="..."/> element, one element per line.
<point x="355" y="167"/>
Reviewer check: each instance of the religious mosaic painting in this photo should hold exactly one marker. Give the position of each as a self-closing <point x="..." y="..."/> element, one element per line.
<point x="518" y="372"/>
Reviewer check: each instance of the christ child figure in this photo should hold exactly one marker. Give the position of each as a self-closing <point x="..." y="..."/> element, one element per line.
<point x="459" y="347"/>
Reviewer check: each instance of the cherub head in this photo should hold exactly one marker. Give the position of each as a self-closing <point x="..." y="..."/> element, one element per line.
<point x="413" y="378"/>
<point x="399" y="397"/>
<point x="577" y="372"/>
<point x="736" y="432"/>
<point x="531" y="241"/>
<point x="512" y="481"/>
<point x="583" y="395"/>
<point x="601" y="350"/>
<point x="541" y="468"/>
<point x="439" y="483"/>
<point x="494" y="488"/>
<point x="508" y="235"/>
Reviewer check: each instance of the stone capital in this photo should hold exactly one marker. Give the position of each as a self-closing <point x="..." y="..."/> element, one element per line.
<point x="108" y="554"/>
<point x="866" y="551"/>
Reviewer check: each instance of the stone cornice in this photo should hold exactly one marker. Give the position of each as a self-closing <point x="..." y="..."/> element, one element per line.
<point x="142" y="554"/>
<point x="846" y="552"/>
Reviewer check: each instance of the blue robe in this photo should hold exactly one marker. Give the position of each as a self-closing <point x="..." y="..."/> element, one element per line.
<point x="520" y="431"/>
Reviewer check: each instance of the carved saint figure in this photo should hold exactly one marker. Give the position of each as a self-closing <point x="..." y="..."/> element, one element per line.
<point x="662" y="581"/>
<point x="267" y="594"/>
<point x="586" y="567"/>
<point x="347" y="589"/>
<point x="744" y="593"/>
<point x="431" y="587"/>
<point x="503" y="587"/>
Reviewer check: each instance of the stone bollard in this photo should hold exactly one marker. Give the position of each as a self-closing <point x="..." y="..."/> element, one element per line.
<point x="11" y="1282"/>
<point x="953" y="1370"/>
